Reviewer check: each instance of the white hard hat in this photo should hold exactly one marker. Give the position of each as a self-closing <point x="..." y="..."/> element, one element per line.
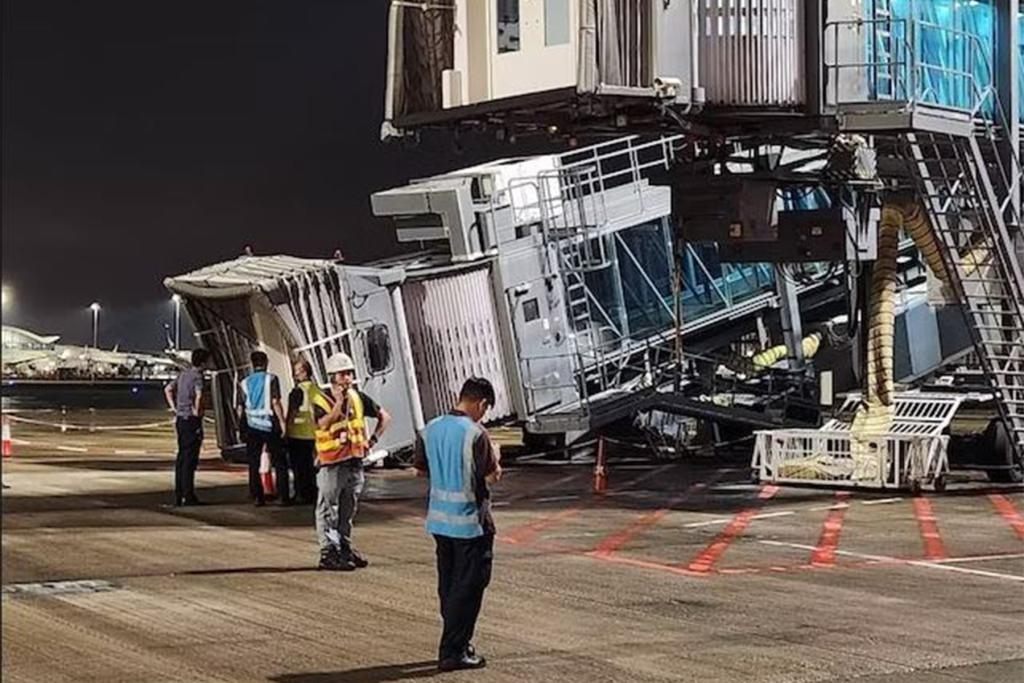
<point x="340" y="362"/>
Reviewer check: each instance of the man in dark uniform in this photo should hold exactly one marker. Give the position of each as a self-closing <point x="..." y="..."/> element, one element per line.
<point x="185" y="397"/>
<point x="259" y="405"/>
<point x="456" y="453"/>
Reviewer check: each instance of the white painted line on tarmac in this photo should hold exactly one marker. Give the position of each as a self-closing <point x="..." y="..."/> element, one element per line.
<point x="927" y="564"/>
<point x="835" y="506"/>
<point x="881" y="501"/>
<point x="710" y="522"/>
<point x="769" y="515"/>
<point x="556" y="499"/>
<point x="73" y="449"/>
<point x="129" y="451"/>
<point x="979" y="558"/>
<point x="21" y="442"/>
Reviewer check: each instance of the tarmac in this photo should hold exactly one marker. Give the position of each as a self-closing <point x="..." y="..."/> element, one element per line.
<point x="681" y="571"/>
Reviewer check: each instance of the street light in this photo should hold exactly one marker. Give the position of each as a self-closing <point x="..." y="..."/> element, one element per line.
<point x="177" y="321"/>
<point x="95" y="308"/>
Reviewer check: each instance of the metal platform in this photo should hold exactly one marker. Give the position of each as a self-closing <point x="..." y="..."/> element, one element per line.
<point x="912" y="454"/>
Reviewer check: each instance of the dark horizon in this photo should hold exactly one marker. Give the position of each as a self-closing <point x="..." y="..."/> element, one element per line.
<point x="141" y="142"/>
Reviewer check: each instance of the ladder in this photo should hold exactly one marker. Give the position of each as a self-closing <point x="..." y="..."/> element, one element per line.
<point x="967" y="194"/>
<point x="571" y="215"/>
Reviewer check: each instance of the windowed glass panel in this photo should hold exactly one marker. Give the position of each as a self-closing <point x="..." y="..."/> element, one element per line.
<point x="531" y="310"/>
<point x="378" y="349"/>
<point x="556" y="22"/>
<point x="508" y="26"/>
<point x="646" y="273"/>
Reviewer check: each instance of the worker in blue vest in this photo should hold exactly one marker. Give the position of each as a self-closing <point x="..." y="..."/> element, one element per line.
<point x="259" y="406"/>
<point x="455" y="452"/>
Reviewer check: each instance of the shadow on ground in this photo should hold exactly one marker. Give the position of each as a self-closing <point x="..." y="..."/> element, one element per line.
<point x="372" y="674"/>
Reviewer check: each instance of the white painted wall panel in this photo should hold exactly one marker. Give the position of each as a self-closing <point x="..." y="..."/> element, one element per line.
<point x="751" y="52"/>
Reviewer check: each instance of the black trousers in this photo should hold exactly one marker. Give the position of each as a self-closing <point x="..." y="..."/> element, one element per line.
<point x="190" y="443"/>
<point x="301" y="453"/>
<point x="255" y="441"/>
<point x="463" y="573"/>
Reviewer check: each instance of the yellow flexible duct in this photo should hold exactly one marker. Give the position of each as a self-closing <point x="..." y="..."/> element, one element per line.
<point x="769" y="357"/>
<point x="874" y="419"/>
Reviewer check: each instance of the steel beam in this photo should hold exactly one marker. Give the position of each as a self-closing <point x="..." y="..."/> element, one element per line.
<point x="1006" y="74"/>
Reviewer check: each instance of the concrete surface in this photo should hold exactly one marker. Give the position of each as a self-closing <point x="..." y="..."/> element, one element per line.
<point x="681" y="572"/>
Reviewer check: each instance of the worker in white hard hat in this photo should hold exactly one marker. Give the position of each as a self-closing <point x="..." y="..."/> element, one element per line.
<point x="341" y="445"/>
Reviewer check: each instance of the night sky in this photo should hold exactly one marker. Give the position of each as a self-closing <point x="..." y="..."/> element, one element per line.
<point x="144" y="139"/>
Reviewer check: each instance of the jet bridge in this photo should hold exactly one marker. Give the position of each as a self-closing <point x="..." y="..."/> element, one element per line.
<point x="930" y="89"/>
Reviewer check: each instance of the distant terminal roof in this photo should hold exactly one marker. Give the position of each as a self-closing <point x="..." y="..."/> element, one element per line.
<point x="16" y="336"/>
<point x="243" y="275"/>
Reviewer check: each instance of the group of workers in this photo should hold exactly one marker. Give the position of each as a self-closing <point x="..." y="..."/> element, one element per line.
<point x="323" y="438"/>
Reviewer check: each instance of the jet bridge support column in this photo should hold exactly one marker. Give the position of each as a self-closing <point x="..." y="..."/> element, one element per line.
<point x="1007" y="72"/>
<point x="789" y="318"/>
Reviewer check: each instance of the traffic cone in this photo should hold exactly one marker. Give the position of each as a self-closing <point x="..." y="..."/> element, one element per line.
<point x="267" y="475"/>
<point x="8" y="446"/>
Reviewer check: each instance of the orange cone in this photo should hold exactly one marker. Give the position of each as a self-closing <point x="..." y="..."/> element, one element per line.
<point x="267" y="474"/>
<point x="8" y="446"/>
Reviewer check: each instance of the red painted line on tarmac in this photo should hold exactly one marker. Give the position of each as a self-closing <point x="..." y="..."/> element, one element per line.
<point x="708" y="557"/>
<point x="642" y="564"/>
<point x="1010" y="513"/>
<point x="611" y="544"/>
<point x="934" y="547"/>
<point x="527" y="532"/>
<point x="824" y="554"/>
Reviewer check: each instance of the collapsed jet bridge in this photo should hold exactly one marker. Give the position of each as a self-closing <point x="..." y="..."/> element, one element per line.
<point x="930" y="89"/>
<point x="554" y="276"/>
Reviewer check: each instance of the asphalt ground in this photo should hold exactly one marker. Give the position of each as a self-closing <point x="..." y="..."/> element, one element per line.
<point x="681" y="571"/>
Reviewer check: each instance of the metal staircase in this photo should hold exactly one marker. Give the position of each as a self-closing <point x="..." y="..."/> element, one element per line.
<point x="968" y="193"/>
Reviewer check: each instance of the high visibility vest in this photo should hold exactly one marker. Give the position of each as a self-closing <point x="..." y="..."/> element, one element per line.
<point x="453" y="509"/>
<point x="302" y="423"/>
<point x="257" y="390"/>
<point x="346" y="438"/>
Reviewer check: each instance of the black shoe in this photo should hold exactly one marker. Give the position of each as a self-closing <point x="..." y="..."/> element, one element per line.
<point x="468" y="660"/>
<point x="192" y="502"/>
<point x="331" y="560"/>
<point x="259" y="502"/>
<point x="358" y="560"/>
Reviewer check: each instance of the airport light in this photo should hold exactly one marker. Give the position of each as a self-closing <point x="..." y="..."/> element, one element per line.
<point x="95" y="308"/>
<point x="177" y="321"/>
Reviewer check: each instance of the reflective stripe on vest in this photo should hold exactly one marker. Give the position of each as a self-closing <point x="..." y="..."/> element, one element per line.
<point x="453" y="510"/>
<point x="344" y="439"/>
<point x="302" y="423"/>
<point x="257" y="390"/>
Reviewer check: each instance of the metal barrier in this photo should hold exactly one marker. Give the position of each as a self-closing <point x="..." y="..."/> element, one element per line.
<point x="837" y="458"/>
<point x="896" y="67"/>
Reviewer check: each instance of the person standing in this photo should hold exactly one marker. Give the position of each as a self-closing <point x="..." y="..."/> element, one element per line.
<point x="455" y="452"/>
<point x="301" y="431"/>
<point x="341" y="445"/>
<point x="259" y="404"/>
<point x="185" y="397"/>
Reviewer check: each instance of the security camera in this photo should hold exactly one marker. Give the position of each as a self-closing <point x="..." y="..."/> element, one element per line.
<point x="668" y="87"/>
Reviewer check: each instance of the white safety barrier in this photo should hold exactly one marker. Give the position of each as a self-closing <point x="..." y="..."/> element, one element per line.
<point x="824" y="457"/>
<point x="65" y="426"/>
